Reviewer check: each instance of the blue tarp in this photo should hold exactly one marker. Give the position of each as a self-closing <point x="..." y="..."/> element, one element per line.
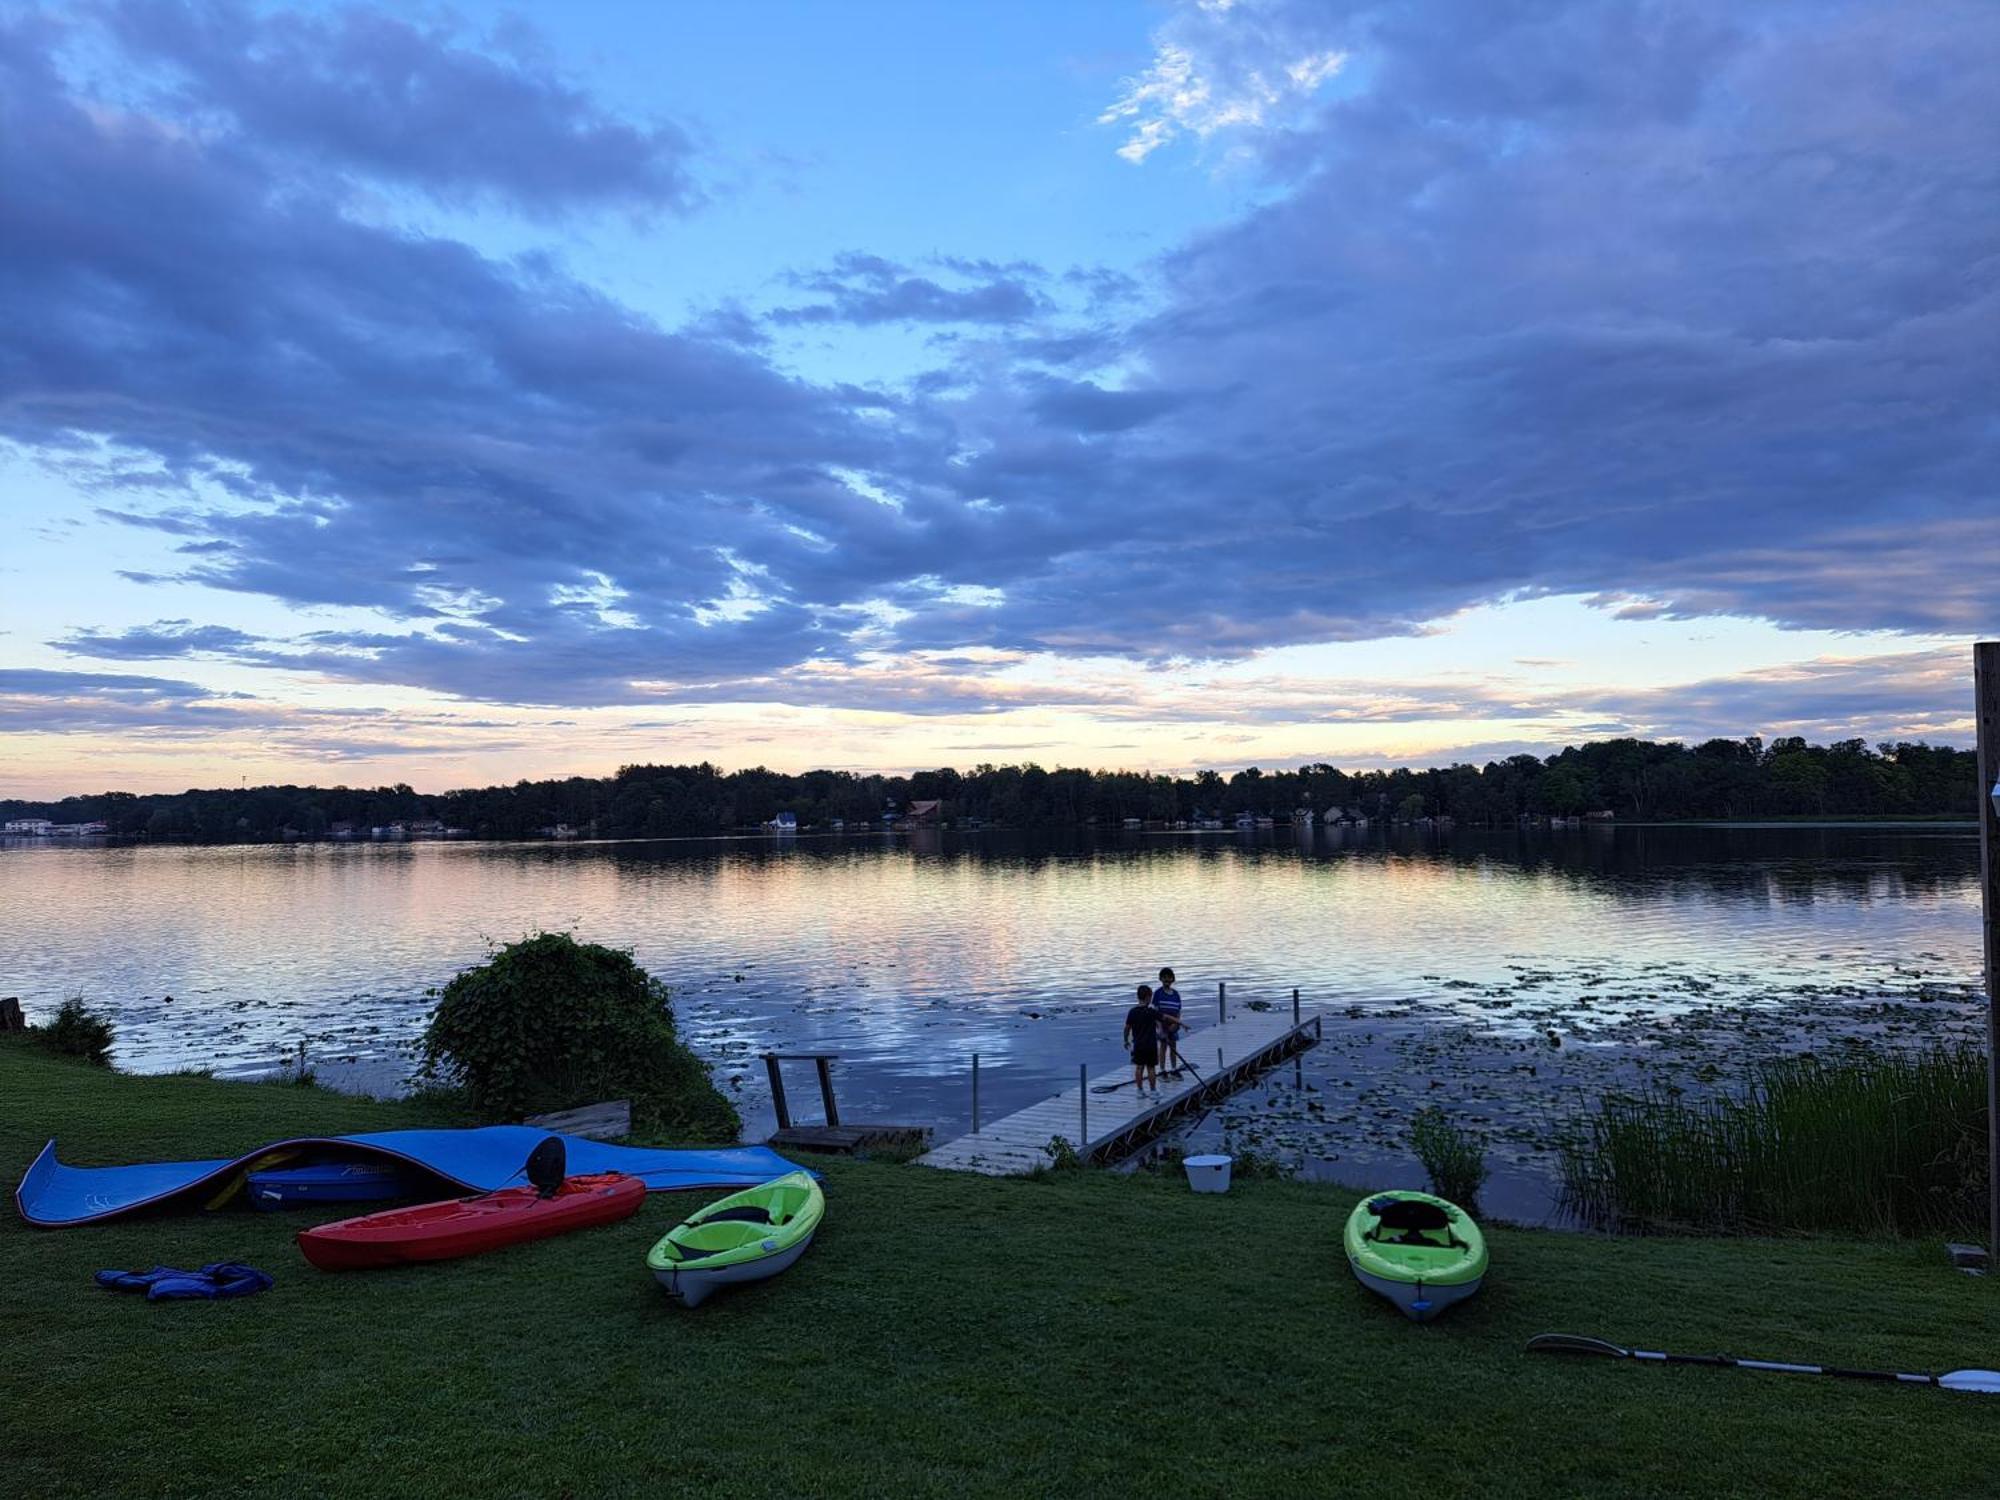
<point x="53" y="1196"/>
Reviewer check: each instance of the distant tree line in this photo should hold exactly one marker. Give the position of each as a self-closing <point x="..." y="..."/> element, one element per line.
<point x="1630" y="778"/>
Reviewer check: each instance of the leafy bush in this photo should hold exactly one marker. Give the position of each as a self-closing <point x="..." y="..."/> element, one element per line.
<point x="550" y="1023"/>
<point x="1454" y="1158"/>
<point x="78" y="1031"/>
<point x="1062" y="1155"/>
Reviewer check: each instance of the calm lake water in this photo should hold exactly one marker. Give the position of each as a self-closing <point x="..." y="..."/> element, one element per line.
<point x="1510" y="974"/>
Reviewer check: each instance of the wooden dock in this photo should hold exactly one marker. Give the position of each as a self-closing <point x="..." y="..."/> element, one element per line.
<point x="1104" y="1126"/>
<point x="844" y="1139"/>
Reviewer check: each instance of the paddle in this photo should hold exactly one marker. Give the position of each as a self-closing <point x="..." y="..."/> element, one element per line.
<point x="1986" y="1382"/>
<point x="1112" y="1088"/>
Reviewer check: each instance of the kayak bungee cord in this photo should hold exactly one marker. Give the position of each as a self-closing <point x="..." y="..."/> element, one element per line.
<point x="1986" y="1382"/>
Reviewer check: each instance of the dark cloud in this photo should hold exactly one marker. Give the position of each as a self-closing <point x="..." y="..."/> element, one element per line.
<point x="1697" y="303"/>
<point x="398" y="422"/>
<point x="1694" y="307"/>
<point x="1909" y="695"/>
<point x="161" y="640"/>
<point x="863" y="289"/>
<point x="371" y="93"/>
<point x="39" y="701"/>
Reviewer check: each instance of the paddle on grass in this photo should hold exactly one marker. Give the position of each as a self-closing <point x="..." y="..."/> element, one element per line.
<point x="1987" y="1382"/>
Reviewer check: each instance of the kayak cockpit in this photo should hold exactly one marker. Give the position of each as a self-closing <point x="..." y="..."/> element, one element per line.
<point x="1413" y="1222"/>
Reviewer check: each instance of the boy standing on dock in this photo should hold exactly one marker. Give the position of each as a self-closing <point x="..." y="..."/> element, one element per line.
<point x="1142" y="1035"/>
<point x="1167" y="1001"/>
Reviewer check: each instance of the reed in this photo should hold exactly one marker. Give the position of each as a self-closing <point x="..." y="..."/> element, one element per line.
<point x="1454" y="1157"/>
<point x="1872" y="1143"/>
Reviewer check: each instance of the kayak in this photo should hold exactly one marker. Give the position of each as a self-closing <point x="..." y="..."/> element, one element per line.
<point x="325" y="1182"/>
<point x="747" y="1236"/>
<point x="471" y="1226"/>
<point x="1422" y="1252"/>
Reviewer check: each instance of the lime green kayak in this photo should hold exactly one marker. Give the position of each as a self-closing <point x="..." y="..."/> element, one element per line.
<point x="1421" y="1252"/>
<point x="747" y="1236"/>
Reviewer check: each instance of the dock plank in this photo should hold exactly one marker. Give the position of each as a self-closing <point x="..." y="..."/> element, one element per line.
<point x="1016" y="1144"/>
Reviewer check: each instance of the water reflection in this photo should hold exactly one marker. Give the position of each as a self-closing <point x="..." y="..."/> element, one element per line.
<point x="908" y="954"/>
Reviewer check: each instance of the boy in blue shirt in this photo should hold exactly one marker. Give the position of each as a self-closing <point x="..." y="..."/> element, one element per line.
<point x="1167" y="1001"/>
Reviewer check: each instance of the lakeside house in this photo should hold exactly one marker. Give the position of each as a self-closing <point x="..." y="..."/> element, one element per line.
<point x="785" y="822"/>
<point x="43" y="828"/>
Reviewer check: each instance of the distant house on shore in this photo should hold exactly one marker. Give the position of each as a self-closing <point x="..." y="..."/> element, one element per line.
<point x="785" y="822"/>
<point x="30" y="827"/>
<point x="925" y="814"/>
<point x="557" y="831"/>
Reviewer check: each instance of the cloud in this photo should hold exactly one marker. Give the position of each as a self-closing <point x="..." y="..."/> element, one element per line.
<point x="161" y="640"/>
<point x="1694" y="305"/>
<point x="1688" y="307"/>
<point x="864" y="289"/>
<point x="1222" y="67"/>
<point x="391" y="100"/>
<point x="1908" y="695"/>
<point x="34" y="700"/>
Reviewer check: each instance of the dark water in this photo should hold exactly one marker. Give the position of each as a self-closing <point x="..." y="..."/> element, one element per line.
<point x="1444" y="962"/>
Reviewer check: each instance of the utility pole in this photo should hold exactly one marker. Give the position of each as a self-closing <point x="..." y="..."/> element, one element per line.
<point x="1986" y="695"/>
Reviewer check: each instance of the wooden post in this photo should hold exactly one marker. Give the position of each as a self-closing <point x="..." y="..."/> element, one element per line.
<point x="826" y="1090"/>
<point x="778" y="1092"/>
<point x="1221" y="1000"/>
<point x="1083" y="1099"/>
<point x="1986" y="695"/>
<point x="1295" y="1005"/>
<point x="975" y="1093"/>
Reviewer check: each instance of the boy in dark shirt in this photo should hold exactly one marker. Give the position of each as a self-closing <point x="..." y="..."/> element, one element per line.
<point x="1167" y="1001"/>
<point x="1142" y="1035"/>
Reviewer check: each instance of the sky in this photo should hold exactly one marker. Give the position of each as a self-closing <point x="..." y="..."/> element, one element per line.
<point x="455" y="395"/>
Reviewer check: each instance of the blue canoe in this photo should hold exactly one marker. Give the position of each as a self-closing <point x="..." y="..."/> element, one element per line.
<point x="327" y="1182"/>
<point x="484" y="1160"/>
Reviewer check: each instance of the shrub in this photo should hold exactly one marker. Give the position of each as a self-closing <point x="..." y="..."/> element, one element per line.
<point x="550" y="1023"/>
<point x="78" y="1031"/>
<point x="1454" y="1158"/>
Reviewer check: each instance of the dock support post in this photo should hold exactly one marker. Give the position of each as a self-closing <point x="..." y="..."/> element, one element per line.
<point x="1083" y="1101"/>
<point x="1295" y="1005"/>
<point x="975" y="1093"/>
<point x="778" y="1092"/>
<point x="1221" y="1001"/>
<point x="826" y="1090"/>
<point x="1986" y="701"/>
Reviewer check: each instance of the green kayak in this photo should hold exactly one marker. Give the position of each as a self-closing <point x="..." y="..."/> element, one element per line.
<point x="747" y="1236"/>
<point x="1421" y="1252"/>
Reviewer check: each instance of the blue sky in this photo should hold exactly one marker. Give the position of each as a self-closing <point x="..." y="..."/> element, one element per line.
<point x="454" y="395"/>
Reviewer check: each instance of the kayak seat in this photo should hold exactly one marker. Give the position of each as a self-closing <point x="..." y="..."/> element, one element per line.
<point x="1409" y="1214"/>
<point x="748" y="1214"/>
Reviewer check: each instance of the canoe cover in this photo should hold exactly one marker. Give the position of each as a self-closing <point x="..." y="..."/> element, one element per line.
<point x="54" y="1196"/>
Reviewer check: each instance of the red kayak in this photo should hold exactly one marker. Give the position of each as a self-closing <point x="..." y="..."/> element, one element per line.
<point x="471" y="1226"/>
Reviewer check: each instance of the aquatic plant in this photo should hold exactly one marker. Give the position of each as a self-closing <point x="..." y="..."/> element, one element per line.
<point x="77" y="1031"/>
<point x="549" y="1023"/>
<point x="1877" y="1143"/>
<point x="298" y="1069"/>
<point x="1062" y="1155"/>
<point x="1454" y="1157"/>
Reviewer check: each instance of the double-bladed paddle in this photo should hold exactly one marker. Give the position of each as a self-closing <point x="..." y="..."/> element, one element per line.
<point x="1987" y="1382"/>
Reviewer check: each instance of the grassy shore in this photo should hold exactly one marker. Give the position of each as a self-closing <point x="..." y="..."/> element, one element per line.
<point x="947" y="1335"/>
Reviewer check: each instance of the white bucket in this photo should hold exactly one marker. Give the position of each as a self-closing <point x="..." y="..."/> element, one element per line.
<point x="1208" y="1174"/>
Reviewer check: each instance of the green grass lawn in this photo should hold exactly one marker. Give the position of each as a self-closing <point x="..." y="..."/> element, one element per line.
<point x="1087" y="1334"/>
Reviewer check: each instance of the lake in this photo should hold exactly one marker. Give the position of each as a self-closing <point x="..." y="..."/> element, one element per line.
<point x="1511" y="975"/>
